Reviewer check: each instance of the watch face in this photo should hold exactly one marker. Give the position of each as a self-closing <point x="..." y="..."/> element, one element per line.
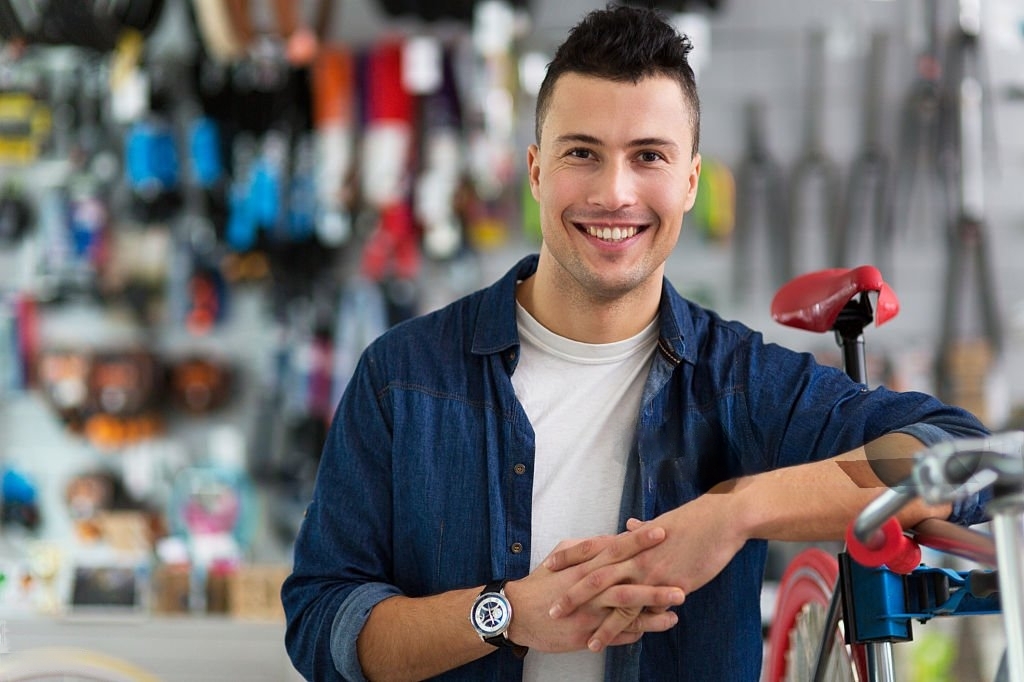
<point x="491" y="614"/>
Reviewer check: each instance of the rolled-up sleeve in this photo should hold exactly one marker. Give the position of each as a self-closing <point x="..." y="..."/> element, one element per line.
<point x="806" y="411"/>
<point x="342" y="559"/>
<point x="349" y="622"/>
<point x="971" y="509"/>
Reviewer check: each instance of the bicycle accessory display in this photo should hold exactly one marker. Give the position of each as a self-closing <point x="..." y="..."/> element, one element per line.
<point x="16" y="216"/>
<point x="94" y="24"/>
<point x="200" y="385"/>
<point x="64" y="380"/>
<point x="152" y="164"/>
<point x="26" y="124"/>
<point x="19" y="504"/>
<point x="392" y="249"/>
<point x="440" y="130"/>
<point x="333" y="80"/>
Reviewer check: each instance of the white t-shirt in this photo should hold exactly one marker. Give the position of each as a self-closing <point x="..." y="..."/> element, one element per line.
<point x="583" y="401"/>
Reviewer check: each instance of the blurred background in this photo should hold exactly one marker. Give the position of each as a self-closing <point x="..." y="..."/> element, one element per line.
<point x="209" y="207"/>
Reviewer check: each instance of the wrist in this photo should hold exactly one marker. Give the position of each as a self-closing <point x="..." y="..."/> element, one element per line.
<point x="516" y="631"/>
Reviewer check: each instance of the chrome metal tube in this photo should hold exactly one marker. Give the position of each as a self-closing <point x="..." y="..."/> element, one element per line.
<point x="881" y="667"/>
<point x="1008" y="530"/>
<point x="878" y="512"/>
<point x="950" y="538"/>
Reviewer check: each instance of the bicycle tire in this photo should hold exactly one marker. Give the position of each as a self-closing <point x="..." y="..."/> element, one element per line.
<point x="801" y="606"/>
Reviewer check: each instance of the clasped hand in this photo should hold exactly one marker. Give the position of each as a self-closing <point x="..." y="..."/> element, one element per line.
<point x="610" y="590"/>
<point x="612" y="615"/>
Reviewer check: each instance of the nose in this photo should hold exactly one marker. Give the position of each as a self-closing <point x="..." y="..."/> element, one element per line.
<point x="614" y="186"/>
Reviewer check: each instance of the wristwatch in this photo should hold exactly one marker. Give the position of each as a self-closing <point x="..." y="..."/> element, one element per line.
<point x="491" y="616"/>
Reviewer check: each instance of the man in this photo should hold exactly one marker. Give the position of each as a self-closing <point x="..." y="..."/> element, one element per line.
<point x="580" y="410"/>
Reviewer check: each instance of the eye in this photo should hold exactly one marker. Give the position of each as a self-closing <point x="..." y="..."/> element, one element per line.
<point x="580" y="153"/>
<point x="650" y="157"/>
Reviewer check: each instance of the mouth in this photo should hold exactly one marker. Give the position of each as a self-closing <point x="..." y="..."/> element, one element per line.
<point x="611" y="233"/>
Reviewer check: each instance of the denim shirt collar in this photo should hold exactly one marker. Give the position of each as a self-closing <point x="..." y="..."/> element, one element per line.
<point x="676" y="326"/>
<point x="496" y="331"/>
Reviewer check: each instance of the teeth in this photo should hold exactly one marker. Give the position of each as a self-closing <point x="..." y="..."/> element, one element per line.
<point x="612" y="234"/>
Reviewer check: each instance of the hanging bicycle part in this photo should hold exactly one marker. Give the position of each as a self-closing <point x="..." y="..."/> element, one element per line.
<point x="969" y="268"/>
<point x="868" y="203"/>
<point x="814" y="186"/>
<point x="761" y="233"/>
<point x="918" y="150"/>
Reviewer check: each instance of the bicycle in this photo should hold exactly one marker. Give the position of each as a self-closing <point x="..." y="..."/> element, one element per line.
<point x="837" y="300"/>
<point x="838" y="616"/>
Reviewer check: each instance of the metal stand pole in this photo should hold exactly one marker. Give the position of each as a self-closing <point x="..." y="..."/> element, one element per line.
<point x="1008" y="530"/>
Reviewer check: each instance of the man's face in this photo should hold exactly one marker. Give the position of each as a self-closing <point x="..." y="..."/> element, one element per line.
<point x="614" y="175"/>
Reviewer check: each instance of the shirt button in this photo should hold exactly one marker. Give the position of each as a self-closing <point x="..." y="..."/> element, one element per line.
<point x="517" y="547"/>
<point x="519" y="469"/>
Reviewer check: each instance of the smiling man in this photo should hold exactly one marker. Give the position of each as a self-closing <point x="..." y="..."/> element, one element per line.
<point x="572" y="473"/>
<point x="614" y="171"/>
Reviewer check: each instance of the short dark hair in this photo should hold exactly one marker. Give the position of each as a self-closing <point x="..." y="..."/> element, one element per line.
<point x="623" y="43"/>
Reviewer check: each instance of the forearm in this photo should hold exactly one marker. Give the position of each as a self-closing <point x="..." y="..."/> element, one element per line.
<point x="415" y="638"/>
<point x="807" y="502"/>
<point x="406" y="638"/>
<point x="817" y="501"/>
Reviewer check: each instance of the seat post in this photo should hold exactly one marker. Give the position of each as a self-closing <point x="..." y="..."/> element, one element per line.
<point x="849" y="328"/>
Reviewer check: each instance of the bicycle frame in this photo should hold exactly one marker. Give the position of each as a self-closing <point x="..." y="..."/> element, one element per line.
<point x="877" y="605"/>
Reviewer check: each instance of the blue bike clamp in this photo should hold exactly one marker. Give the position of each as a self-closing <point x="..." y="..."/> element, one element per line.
<point x="880" y="605"/>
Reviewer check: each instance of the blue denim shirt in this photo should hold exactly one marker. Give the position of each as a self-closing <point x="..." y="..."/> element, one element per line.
<point x="426" y="477"/>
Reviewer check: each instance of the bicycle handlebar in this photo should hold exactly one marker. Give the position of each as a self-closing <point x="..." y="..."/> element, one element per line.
<point x="945" y="472"/>
<point x="955" y="469"/>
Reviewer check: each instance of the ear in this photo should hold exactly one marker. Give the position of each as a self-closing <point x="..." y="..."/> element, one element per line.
<point x="692" y="181"/>
<point x="533" y="167"/>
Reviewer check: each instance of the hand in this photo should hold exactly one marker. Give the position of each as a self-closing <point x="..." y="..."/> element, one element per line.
<point x="629" y="610"/>
<point x="700" y="538"/>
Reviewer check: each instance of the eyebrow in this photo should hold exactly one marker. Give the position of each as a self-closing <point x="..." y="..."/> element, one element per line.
<point x="583" y="138"/>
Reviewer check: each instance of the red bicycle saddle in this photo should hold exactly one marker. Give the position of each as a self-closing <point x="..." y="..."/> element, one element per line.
<point x="814" y="300"/>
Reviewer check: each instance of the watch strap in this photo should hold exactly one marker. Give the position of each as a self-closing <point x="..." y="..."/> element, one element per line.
<point x="494" y="586"/>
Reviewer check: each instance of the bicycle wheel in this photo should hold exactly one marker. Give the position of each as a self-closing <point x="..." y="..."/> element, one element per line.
<point x="801" y="611"/>
<point x="60" y="664"/>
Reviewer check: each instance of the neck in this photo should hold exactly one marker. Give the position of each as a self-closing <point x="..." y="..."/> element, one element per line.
<point x="567" y="310"/>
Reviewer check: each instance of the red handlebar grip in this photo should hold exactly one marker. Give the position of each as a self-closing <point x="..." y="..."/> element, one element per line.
<point x="890" y="547"/>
